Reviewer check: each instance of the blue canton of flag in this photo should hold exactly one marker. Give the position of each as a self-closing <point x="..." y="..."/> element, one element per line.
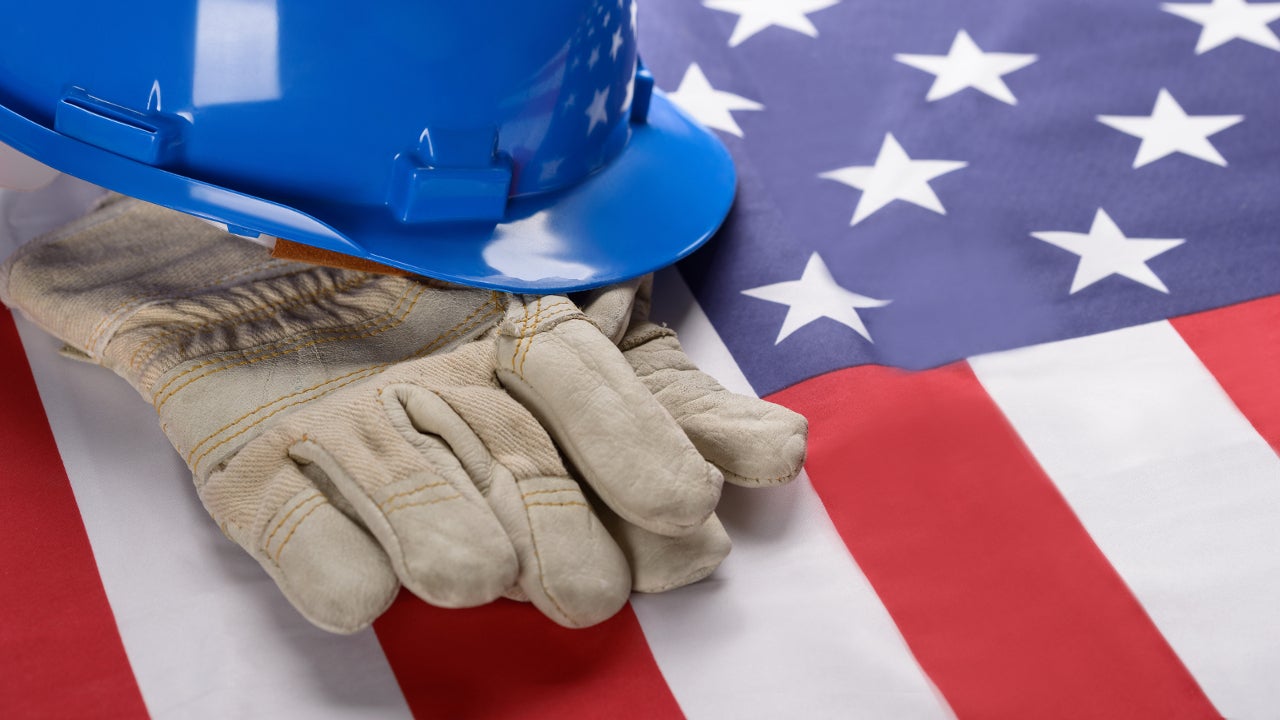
<point x="923" y="181"/>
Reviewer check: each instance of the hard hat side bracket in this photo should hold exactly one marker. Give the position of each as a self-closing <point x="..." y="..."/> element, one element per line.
<point x="452" y="176"/>
<point x="643" y="90"/>
<point x="151" y="139"/>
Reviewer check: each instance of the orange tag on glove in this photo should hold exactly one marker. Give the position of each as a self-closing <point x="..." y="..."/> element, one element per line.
<point x="289" y="250"/>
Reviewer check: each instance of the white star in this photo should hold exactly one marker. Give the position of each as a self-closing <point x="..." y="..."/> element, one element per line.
<point x="895" y="176"/>
<point x="635" y="8"/>
<point x="756" y="15"/>
<point x="1227" y="20"/>
<point x="709" y="106"/>
<point x="814" y="296"/>
<point x="550" y="169"/>
<point x="595" y="57"/>
<point x="966" y="66"/>
<point x="1105" y="251"/>
<point x="597" y="112"/>
<point x="1169" y="129"/>
<point x="617" y="44"/>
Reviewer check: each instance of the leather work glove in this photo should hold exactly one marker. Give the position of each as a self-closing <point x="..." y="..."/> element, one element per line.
<point x="355" y="431"/>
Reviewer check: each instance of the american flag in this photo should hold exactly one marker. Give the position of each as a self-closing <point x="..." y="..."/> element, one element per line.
<point x="1014" y="259"/>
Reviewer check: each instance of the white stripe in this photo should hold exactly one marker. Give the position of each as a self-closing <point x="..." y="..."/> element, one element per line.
<point x="1175" y="486"/>
<point x="206" y="631"/>
<point x="788" y="626"/>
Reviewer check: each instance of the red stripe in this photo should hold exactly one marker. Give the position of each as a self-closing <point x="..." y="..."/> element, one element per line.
<point x="65" y="657"/>
<point x="505" y="660"/>
<point x="1005" y="600"/>
<point x="1240" y="345"/>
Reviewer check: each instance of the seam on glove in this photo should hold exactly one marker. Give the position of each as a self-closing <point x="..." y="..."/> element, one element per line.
<point x="193" y="463"/>
<point x="267" y="543"/>
<point x="551" y="312"/>
<point x="155" y="343"/>
<point x="445" y="337"/>
<point x="418" y="489"/>
<point x="533" y="332"/>
<point x="758" y="481"/>
<point x="537" y="556"/>
<point x="549" y="492"/>
<point x="527" y="333"/>
<point x="655" y="332"/>
<point x="541" y="313"/>
<point x="533" y="536"/>
<point x="422" y="503"/>
<point x="524" y="321"/>
<point x="294" y="529"/>
<point x="573" y="503"/>
<point x="366" y="329"/>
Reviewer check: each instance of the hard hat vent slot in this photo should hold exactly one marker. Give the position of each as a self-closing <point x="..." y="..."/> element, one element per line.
<point x="452" y="176"/>
<point x="123" y="131"/>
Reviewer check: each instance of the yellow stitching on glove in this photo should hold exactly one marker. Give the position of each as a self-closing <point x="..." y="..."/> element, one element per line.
<point x="287" y="538"/>
<point x="348" y="378"/>
<point x="548" y="492"/>
<point x="526" y="338"/>
<point x="418" y="489"/>
<point x="283" y="520"/>
<point x="373" y="331"/>
<point x="421" y="503"/>
<point x="516" y="351"/>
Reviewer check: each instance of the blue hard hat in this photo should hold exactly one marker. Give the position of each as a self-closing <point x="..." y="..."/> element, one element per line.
<point x="501" y="143"/>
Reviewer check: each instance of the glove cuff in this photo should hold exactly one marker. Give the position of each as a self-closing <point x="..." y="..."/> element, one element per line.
<point x="214" y="332"/>
<point x="82" y="282"/>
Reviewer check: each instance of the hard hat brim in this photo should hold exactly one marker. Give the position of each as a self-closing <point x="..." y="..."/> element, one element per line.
<point x="659" y="200"/>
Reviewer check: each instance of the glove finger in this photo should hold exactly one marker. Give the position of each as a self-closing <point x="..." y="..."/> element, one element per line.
<point x="611" y="308"/>
<point x="325" y="564"/>
<point x="441" y="537"/>
<point x="660" y="562"/>
<point x="570" y="567"/>
<point x="753" y="442"/>
<point x="617" y="436"/>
